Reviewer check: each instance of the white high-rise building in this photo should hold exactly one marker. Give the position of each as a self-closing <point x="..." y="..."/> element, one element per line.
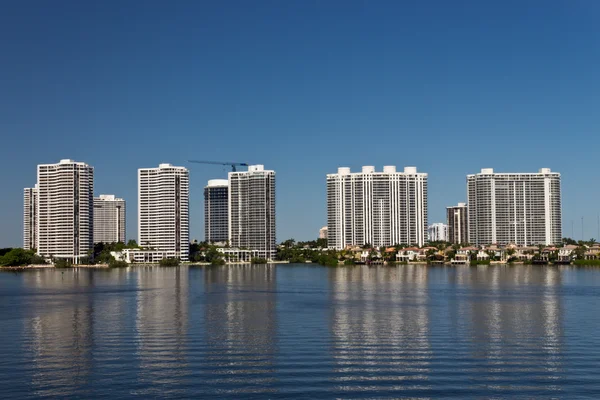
<point x="378" y="208"/>
<point x="458" y="223"/>
<point x="30" y="218"/>
<point x="252" y="210"/>
<point x="65" y="212"/>
<point x="109" y="219"/>
<point x="438" y="232"/>
<point x="163" y="210"/>
<point x="519" y="208"/>
<point x="323" y="233"/>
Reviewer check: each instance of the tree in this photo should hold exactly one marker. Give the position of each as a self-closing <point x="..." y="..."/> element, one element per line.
<point x="132" y="244"/>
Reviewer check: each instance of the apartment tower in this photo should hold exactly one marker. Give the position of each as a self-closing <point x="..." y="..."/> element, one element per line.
<point x="458" y="223"/>
<point x="65" y="210"/>
<point x="109" y="219"/>
<point x="163" y="210"/>
<point x="437" y="232"/>
<point x="216" y="216"/>
<point x="519" y="208"/>
<point x="252" y="210"/>
<point x="30" y="218"/>
<point x="378" y="208"/>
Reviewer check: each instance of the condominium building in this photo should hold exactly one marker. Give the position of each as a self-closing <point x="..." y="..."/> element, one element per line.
<point x="216" y="216"/>
<point x="109" y="219"/>
<point x="65" y="210"/>
<point x="519" y="208"/>
<point x="30" y="218"/>
<point x="438" y="232"/>
<point x="378" y="208"/>
<point x="163" y="210"/>
<point x="252" y="210"/>
<point x="458" y="223"/>
<point x="323" y="233"/>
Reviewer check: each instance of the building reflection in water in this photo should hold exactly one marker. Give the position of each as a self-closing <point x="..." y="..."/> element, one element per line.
<point x="516" y="326"/>
<point x="380" y="327"/>
<point x="60" y="336"/>
<point x="162" y="329"/>
<point x="240" y="328"/>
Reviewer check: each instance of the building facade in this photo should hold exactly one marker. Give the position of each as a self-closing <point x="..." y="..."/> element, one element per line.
<point x="163" y="210"/>
<point x="65" y="210"/>
<point x="30" y="218"/>
<point x="323" y="233"/>
<point x="458" y="223"/>
<point x="109" y="219"/>
<point x="216" y="213"/>
<point x="519" y="208"/>
<point x="252" y="210"/>
<point x="437" y="232"/>
<point x="377" y="208"/>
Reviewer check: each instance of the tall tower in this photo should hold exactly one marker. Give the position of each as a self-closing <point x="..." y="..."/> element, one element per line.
<point x="519" y="208"/>
<point x="30" y="215"/>
<point x="109" y="219"/>
<point x="163" y="210"/>
<point x="216" y="217"/>
<point x="65" y="210"/>
<point x="377" y="208"/>
<point x="252" y="210"/>
<point x="458" y="223"/>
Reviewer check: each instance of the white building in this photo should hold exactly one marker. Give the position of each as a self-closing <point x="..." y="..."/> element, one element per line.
<point x="65" y="216"/>
<point x="323" y="233"/>
<point x="458" y="223"/>
<point x="438" y="232"/>
<point x="519" y="208"/>
<point x="252" y="210"/>
<point x="30" y="218"/>
<point x="109" y="219"/>
<point x="378" y="208"/>
<point x="163" y="210"/>
<point x="216" y="217"/>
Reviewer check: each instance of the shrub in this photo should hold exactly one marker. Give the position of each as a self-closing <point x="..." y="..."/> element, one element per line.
<point x="62" y="263"/>
<point x="117" y="264"/>
<point x="169" y="262"/>
<point x="258" y="260"/>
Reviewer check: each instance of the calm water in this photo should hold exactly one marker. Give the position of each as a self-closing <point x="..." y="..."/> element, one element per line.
<point x="301" y="332"/>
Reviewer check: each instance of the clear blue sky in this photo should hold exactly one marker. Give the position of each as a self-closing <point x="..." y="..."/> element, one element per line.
<point x="302" y="87"/>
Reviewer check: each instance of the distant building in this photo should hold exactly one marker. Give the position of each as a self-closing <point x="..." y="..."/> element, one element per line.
<point x="438" y="232"/>
<point x="458" y="223"/>
<point x="65" y="210"/>
<point x="520" y="208"/>
<point x="30" y="216"/>
<point x="323" y="233"/>
<point x="163" y="210"/>
<point x="216" y="216"/>
<point x="109" y="219"/>
<point x="377" y="208"/>
<point x="252" y="210"/>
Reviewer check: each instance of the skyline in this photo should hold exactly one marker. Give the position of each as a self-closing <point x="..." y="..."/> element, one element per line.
<point x="303" y="89"/>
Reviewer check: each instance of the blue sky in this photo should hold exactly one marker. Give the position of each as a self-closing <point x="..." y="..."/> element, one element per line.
<point x="302" y="87"/>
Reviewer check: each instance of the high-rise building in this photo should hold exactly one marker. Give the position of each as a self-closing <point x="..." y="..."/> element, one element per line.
<point x="252" y="210"/>
<point x="519" y="208"/>
<point x="458" y="223"/>
<point x="438" y="232"/>
<point x="30" y="218"/>
<point x="377" y="208"/>
<point x="323" y="233"/>
<point x="216" y="217"/>
<point x="65" y="212"/>
<point x="109" y="219"/>
<point x="163" y="210"/>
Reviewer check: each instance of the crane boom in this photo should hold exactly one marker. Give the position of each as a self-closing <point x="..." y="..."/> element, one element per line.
<point x="232" y="164"/>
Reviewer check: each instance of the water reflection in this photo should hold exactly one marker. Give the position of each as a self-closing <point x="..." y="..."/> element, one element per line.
<point x="380" y="327"/>
<point x="241" y="328"/>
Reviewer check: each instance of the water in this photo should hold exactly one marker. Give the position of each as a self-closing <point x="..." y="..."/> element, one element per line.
<point x="301" y="332"/>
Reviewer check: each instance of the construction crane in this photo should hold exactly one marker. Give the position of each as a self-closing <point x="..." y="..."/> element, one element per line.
<point x="232" y="164"/>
